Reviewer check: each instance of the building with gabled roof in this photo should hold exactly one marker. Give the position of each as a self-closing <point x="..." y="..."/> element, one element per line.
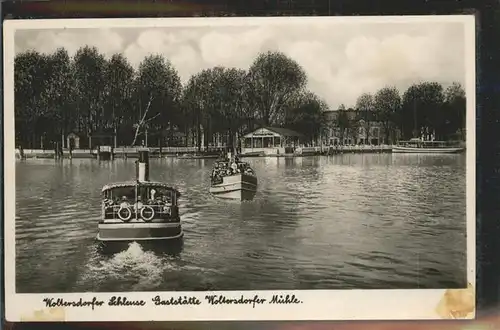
<point x="271" y="140"/>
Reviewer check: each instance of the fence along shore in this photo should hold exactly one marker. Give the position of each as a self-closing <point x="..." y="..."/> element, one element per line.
<point x="155" y="152"/>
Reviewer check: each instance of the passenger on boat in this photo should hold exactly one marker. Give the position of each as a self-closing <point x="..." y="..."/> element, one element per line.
<point x="222" y="169"/>
<point x="234" y="167"/>
<point x="166" y="199"/>
<point x="124" y="202"/>
<point x="217" y="179"/>
<point x="139" y="205"/>
<point x="217" y="174"/>
<point x="223" y="157"/>
<point x="246" y="169"/>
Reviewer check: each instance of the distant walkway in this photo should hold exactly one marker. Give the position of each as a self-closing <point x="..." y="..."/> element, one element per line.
<point x="315" y="151"/>
<point x="119" y="152"/>
<point x="128" y="152"/>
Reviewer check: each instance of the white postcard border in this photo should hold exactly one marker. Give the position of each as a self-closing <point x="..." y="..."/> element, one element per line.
<point x="316" y="304"/>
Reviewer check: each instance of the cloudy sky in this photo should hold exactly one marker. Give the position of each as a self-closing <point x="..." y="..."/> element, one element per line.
<point x="341" y="60"/>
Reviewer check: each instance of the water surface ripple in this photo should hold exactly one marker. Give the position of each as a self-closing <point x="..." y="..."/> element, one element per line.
<point x="343" y="222"/>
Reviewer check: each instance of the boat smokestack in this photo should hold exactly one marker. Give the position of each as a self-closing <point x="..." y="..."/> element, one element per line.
<point x="143" y="166"/>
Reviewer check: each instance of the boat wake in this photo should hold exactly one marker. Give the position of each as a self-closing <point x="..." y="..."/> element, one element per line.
<point x="133" y="269"/>
<point x="137" y="269"/>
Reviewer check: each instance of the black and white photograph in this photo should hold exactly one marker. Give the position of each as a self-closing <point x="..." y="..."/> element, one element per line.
<point x="315" y="161"/>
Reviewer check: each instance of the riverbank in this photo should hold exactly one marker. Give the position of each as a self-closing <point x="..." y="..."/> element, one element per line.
<point x="317" y="151"/>
<point x="118" y="153"/>
<point x="192" y="153"/>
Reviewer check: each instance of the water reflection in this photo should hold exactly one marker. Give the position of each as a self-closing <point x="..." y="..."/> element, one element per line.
<point x="344" y="221"/>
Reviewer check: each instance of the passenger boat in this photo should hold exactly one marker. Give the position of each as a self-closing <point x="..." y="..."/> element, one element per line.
<point x="429" y="147"/>
<point x="233" y="179"/>
<point x="139" y="211"/>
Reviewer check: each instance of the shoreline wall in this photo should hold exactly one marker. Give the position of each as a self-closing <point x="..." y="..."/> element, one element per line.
<point x="123" y="153"/>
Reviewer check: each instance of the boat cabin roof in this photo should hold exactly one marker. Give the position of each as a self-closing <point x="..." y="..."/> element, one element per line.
<point x="151" y="184"/>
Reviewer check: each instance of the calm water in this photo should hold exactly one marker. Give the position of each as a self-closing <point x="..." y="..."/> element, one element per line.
<point x="352" y="221"/>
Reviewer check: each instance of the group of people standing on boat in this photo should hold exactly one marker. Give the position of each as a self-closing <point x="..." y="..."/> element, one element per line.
<point x="125" y="201"/>
<point x="227" y="166"/>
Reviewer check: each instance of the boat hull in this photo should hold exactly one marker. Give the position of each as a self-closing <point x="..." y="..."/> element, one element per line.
<point x="237" y="187"/>
<point x="427" y="150"/>
<point x="123" y="232"/>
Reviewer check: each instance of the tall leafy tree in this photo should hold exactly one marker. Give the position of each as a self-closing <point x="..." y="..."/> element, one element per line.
<point x="354" y="124"/>
<point x="343" y="122"/>
<point x="59" y="94"/>
<point x="43" y="95"/>
<point x="229" y="96"/>
<point x="420" y="110"/>
<point x="274" y="80"/>
<point x="307" y="115"/>
<point x="196" y="104"/>
<point x="387" y="103"/>
<point x="455" y="111"/>
<point x="218" y="101"/>
<point x="365" y="105"/>
<point x="118" y="103"/>
<point x="90" y="87"/>
<point x="55" y="94"/>
<point x="31" y="70"/>
<point x="157" y="89"/>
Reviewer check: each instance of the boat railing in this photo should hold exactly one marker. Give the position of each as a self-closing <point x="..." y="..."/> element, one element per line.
<point x="428" y="144"/>
<point x="147" y="212"/>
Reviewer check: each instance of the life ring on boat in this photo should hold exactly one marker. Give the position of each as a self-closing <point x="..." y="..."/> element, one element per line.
<point x="124" y="213"/>
<point x="147" y="213"/>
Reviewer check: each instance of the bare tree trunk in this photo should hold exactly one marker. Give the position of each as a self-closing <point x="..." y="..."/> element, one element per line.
<point x="161" y="142"/>
<point x="135" y="135"/>
<point x="142" y="122"/>
<point x="230" y="141"/>
<point x="198" y="136"/>
<point x="206" y="137"/>
<point x="387" y="133"/>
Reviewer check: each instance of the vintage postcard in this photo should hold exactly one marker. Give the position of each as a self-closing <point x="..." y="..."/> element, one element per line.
<point x="292" y="168"/>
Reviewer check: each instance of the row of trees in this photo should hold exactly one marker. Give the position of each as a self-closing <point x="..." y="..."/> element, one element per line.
<point x="423" y="107"/>
<point x="56" y="94"/>
<point x="95" y="96"/>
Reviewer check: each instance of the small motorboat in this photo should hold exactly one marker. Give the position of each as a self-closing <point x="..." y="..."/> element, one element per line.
<point x="140" y="210"/>
<point x="233" y="179"/>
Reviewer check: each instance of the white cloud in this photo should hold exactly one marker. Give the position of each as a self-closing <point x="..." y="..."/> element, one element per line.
<point x="47" y="41"/>
<point x="341" y="61"/>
